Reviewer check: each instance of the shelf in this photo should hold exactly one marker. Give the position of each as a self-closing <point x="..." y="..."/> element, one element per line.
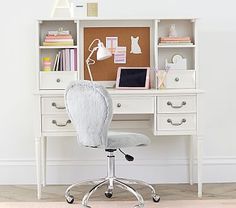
<point x="56" y="47"/>
<point x="176" y="46"/>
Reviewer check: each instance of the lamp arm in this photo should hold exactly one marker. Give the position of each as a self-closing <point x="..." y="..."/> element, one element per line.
<point x="90" y="46"/>
<point x="90" y="61"/>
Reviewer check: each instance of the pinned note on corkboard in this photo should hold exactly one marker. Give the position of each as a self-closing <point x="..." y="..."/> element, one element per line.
<point x="106" y="70"/>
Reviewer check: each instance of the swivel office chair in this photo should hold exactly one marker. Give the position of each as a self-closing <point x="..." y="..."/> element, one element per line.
<point x="89" y="107"/>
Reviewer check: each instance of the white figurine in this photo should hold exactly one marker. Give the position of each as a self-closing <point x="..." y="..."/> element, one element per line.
<point x="172" y="32"/>
<point x="135" y="48"/>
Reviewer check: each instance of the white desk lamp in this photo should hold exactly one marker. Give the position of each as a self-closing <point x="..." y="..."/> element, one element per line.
<point x="102" y="54"/>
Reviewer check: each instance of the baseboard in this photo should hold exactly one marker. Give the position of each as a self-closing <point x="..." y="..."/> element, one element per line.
<point x="61" y="171"/>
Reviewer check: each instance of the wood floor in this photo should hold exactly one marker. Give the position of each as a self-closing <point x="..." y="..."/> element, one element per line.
<point x="167" y="192"/>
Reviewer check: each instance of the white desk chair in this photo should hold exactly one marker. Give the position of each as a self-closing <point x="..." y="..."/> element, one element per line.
<point x="90" y="109"/>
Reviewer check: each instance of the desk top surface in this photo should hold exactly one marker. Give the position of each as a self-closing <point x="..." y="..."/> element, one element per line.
<point x="149" y="92"/>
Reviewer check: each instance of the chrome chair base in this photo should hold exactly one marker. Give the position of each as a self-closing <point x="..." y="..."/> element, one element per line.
<point x="111" y="181"/>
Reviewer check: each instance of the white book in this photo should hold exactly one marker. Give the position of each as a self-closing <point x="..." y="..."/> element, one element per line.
<point x="67" y="59"/>
<point x="72" y="59"/>
<point x="55" y="63"/>
<point x="58" y="61"/>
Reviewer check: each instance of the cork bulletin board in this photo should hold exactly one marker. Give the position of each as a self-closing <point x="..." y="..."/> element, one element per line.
<point x="106" y="70"/>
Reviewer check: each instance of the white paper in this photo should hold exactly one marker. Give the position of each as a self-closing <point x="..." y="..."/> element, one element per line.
<point x="135" y="48"/>
<point x="120" y="55"/>
<point x="112" y="44"/>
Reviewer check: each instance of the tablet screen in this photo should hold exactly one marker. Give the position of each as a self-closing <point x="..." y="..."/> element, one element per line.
<point x="133" y="77"/>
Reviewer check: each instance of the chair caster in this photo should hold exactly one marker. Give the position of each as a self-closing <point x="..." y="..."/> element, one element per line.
<point x="156" y="198"/>
<point x="109" y="193"/>
<point x="86" y="206"/>
<point x="70" y="199"/>
<point x="139" y="206"/>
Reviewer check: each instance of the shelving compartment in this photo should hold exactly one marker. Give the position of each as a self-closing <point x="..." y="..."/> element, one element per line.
<point x="184" y="28"/>
<point x="48" y="25"/>
<point x="168" y="53"/>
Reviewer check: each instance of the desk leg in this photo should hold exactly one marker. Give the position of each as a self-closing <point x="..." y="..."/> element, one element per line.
<point x="38" y="165"/>
<point x="44" y="159"/>
<point x="191" y="159"/>
<point x="199" y="169"/>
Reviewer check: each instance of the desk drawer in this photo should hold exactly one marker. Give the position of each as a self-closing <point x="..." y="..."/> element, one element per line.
<point x="53" y="105"/>
<point x="133" y="105"/>
<point x="180" y="79"/>
<point x="56" y="80"/>
<point x="56" y="123"/>
<point x="176" y="104"/>
<point x="179" y="122"/>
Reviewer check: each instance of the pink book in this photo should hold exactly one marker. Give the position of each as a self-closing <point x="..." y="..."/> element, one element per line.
<point x="175" y="39"/>
<point x="58" y="37"/>
<point x="51" y="40"/>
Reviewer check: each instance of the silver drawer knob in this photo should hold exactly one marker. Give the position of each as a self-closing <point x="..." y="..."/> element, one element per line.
<point x="58" y="80"/>
<point x="118" y="105"/>
<point x="176" y="79"/>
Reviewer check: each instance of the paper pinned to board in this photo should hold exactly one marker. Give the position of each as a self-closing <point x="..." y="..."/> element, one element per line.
<point x="120" y="55"/>
<point x="112" y="44"/>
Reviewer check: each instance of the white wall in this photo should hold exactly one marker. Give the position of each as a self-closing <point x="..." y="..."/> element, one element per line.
<point x="166" y="160"/>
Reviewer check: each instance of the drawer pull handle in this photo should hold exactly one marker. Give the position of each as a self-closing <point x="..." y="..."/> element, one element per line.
<point x="58" y="107"/>
<point x="176" y="124"/>
<point x="58" y="80"/>
<point x="176" y="79"/>
<point x="61" y="125"/>
<point x="176" y="106"/>
<point x="118" y="105"/>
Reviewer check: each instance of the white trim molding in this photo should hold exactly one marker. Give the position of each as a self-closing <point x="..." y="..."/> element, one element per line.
<point x="61" y="171"/>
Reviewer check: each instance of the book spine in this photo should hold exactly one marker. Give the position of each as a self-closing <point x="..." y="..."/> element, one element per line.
<point x="50" y="40"/>
<point x="64" y="60"/>
<point x="75" y="55"/>
<point x="72" y="60"/>
<point x="59" y="37"/>
<point x="55" y="63"/>
<point x="175" y="38"/>
<point x="61" y="61"/>
<point x="67" y="59"/>
<point x="58" y="44"/>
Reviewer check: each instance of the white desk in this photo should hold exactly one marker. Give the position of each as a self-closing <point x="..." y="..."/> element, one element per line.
<point x="173" y="112"/>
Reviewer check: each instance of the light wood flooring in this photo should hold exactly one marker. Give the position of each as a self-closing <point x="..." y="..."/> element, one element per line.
<point x="55" y="193"/>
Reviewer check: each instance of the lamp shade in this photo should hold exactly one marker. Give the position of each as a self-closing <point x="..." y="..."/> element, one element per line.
<point x="102" y="53"/>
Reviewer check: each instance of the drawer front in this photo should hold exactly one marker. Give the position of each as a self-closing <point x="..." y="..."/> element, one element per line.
<point x="56" y="80"/>
<point x="53" y="105"/>
<point x="176" y="104"/>
<point x="177" y="122"/>
<point x="56" y="123"/>
<point x="133" y="105"/>
<point x="180" y="79"/>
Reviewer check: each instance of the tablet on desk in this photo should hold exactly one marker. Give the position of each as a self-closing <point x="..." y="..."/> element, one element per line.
<point x="132" y="78"/>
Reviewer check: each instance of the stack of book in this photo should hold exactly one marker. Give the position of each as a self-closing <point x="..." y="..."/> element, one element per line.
<point x="58" y="38"/>
<point x="175" y="41"/>
<point x="66" y="60"/>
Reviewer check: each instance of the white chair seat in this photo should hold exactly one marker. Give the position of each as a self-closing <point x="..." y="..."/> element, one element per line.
<point x="118" y="140"/>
